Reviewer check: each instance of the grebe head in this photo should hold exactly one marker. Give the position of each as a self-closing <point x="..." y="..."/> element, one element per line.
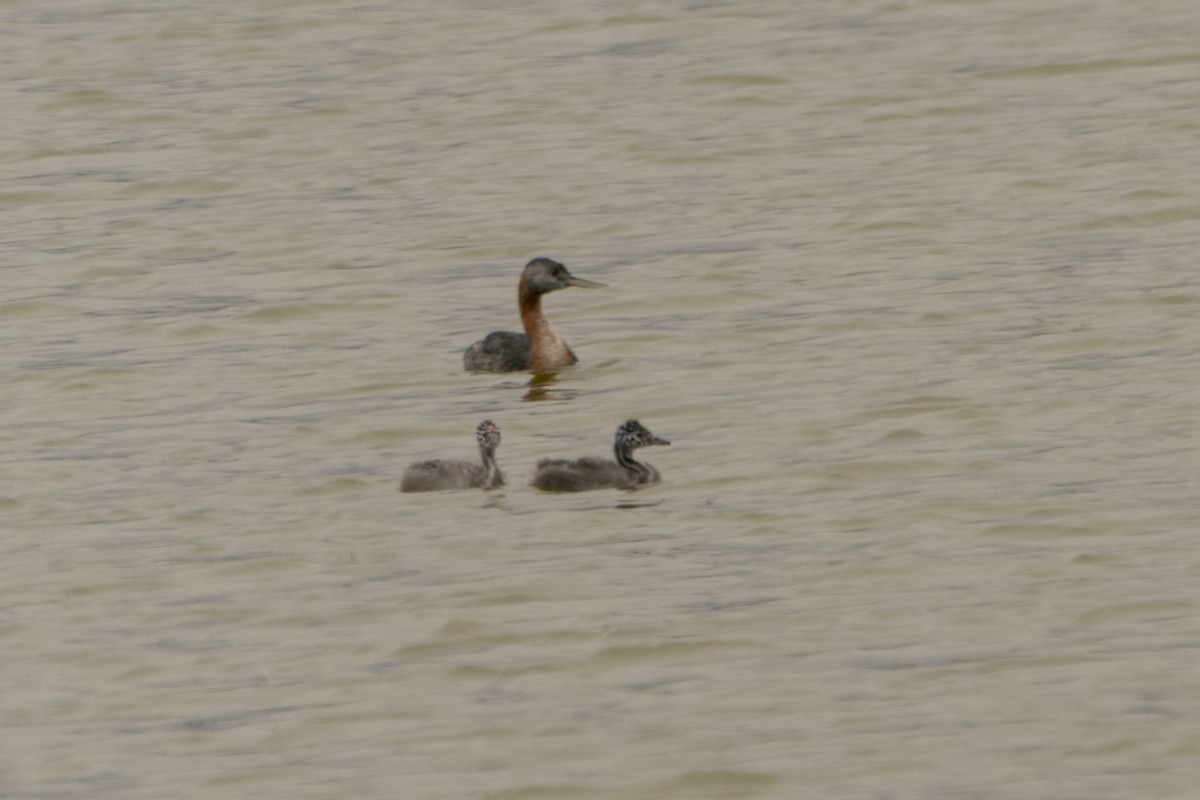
<point x="632" y="434"/>
<point x="488" y="435"/>
<point x="545" y="275"/>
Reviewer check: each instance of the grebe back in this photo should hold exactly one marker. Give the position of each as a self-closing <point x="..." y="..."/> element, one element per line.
<point x="581" y="474"/>
<point x="540" y="346"/>
<point x="429" y="476"/>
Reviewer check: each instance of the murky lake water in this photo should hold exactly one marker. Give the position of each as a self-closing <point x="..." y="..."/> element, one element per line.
<point x="911" y="287"/>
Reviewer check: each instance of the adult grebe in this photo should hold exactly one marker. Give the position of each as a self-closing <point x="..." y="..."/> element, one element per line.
<point x="559" y="475"/>
<point x="540" y="346"/>
<point x="429" y="476"/>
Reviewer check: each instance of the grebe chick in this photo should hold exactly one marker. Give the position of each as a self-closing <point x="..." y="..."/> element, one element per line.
<point x="561" y="475"/>
<point x="430" y="476"/>
<point x="540" y="346"/>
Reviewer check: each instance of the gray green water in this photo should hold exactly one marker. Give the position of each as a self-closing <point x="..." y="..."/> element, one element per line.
<point x="911" y="287"/>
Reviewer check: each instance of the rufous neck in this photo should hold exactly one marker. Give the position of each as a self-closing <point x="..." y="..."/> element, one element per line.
<point x="531" y="307"/>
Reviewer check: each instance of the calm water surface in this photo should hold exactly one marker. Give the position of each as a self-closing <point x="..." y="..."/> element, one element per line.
<point x="911" y="287"/>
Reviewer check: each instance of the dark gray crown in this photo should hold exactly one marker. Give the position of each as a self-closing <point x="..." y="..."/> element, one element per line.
<point x="545" y="275"/>
<point x="632" y="434"/>
<point x="488" y="434"/>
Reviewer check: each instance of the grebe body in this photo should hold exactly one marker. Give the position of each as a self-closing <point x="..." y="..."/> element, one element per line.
<point x="431" y="476"/>
<point x="582" y="474"/>
<point x="540" y="346"/>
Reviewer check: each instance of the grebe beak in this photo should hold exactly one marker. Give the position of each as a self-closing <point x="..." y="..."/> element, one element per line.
<point x="658" y="440"/>
<point x="583" y="283"/>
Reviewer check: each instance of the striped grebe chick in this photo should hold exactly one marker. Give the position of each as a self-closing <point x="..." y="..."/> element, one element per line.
<point x="430" y="476"/>
<point x="540" y="346"/>
<point x="561" y="475"/>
